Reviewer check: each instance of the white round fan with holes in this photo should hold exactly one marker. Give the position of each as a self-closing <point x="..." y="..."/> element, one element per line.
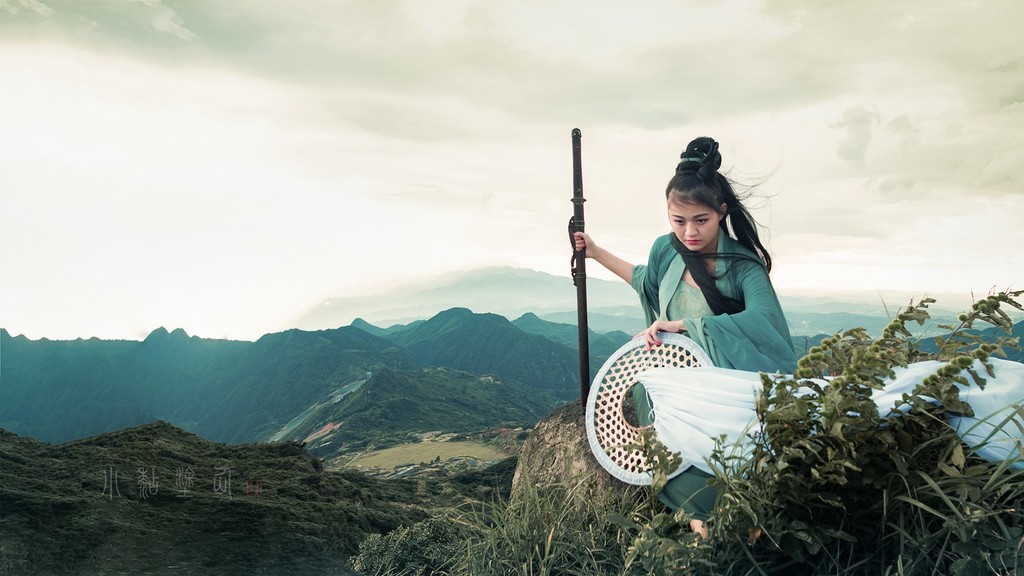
<point x="608" y="431"/>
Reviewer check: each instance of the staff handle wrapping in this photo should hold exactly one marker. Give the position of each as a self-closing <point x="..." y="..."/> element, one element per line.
<point x="579" y="267"/>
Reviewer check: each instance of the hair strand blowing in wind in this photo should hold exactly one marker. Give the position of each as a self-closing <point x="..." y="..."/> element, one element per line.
<point x="698" y="181"/>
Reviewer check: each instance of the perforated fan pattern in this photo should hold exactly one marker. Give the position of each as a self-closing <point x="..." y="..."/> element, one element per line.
<point x="608" y="430"/>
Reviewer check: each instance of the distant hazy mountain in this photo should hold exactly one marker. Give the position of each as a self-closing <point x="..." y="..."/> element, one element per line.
<point x="809" y="316"/>
<point x="612" y="305"/>
<point x="510" y="292"/>
<point x="989" y="334"/>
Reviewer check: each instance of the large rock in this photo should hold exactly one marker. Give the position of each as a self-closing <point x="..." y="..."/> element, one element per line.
<point x="557" y="454"/>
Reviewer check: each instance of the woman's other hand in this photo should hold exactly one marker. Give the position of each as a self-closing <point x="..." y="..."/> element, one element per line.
<point x="650" y="335"/>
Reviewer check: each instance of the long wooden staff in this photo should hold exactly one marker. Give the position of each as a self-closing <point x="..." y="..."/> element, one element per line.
<point x="579" y="267"/>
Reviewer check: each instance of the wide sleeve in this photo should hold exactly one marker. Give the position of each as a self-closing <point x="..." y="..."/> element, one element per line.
<point x="647" y="278"/>
<point x="756" y="339"/>
<point x="647" y="302"/>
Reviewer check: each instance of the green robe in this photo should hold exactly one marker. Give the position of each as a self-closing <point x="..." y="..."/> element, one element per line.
<point x="756" y="339"/>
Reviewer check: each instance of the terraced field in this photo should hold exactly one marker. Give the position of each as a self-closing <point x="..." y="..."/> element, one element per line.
<point x="396" y="456"/>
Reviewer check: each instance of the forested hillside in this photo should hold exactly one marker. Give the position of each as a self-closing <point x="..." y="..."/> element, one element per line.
<point x="232" y="391"/>
<point x="158" y="500"/>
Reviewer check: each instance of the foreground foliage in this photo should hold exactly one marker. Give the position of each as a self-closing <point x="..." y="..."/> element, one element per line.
<point x="541" y="532"/>
<point x="825" y="486"/>
<point x="159" y="500"/>
<point x="831" y="488"/>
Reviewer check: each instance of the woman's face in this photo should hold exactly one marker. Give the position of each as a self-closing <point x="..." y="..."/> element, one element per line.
<point x="695" y="225"/>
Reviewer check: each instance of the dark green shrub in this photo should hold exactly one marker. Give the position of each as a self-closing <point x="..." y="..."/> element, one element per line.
<point x="426" y="548"/>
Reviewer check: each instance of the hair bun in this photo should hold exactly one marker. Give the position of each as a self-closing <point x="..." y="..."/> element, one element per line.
<point x="701" y="155"/>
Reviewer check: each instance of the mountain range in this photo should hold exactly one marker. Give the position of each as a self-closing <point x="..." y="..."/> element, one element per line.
<point x="509" y="292"/>
<point x="293" y="384"/>
<point x="298" y="383"/>
<point x="290" y="384"/>
<point x="612" y="305"/>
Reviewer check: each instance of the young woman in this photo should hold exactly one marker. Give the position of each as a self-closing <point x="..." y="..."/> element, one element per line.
<point x="703" y="281"/>
<point x="710" y="284"/>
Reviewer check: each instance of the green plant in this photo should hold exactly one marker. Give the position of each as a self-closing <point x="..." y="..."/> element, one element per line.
<point x="426" y="548"/>
<point x="832" y="487"/>
<point x="663" y="542"/>
<point x="544" y="532"/>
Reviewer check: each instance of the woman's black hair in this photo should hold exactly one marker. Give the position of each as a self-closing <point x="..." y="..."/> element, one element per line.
<point x="697" y="181"/>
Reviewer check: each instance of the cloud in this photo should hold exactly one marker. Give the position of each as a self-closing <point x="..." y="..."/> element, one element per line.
<point x="906" y="128"/>
<point x="661" y="66"/>
<point x="856" y="125"/>
<point x="341" y="128"/>
<point x="166" y="20"/>
<point x="34" y="6"/>
<point x="491" y="55"/>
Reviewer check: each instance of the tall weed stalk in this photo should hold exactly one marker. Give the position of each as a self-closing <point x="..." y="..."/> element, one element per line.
<point x="831" y="487"/>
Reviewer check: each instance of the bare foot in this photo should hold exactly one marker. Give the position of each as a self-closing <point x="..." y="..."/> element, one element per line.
<point x="699" y="527"/>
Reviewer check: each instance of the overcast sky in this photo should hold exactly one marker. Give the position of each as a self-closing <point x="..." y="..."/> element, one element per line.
<point x="222" y="166"/>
